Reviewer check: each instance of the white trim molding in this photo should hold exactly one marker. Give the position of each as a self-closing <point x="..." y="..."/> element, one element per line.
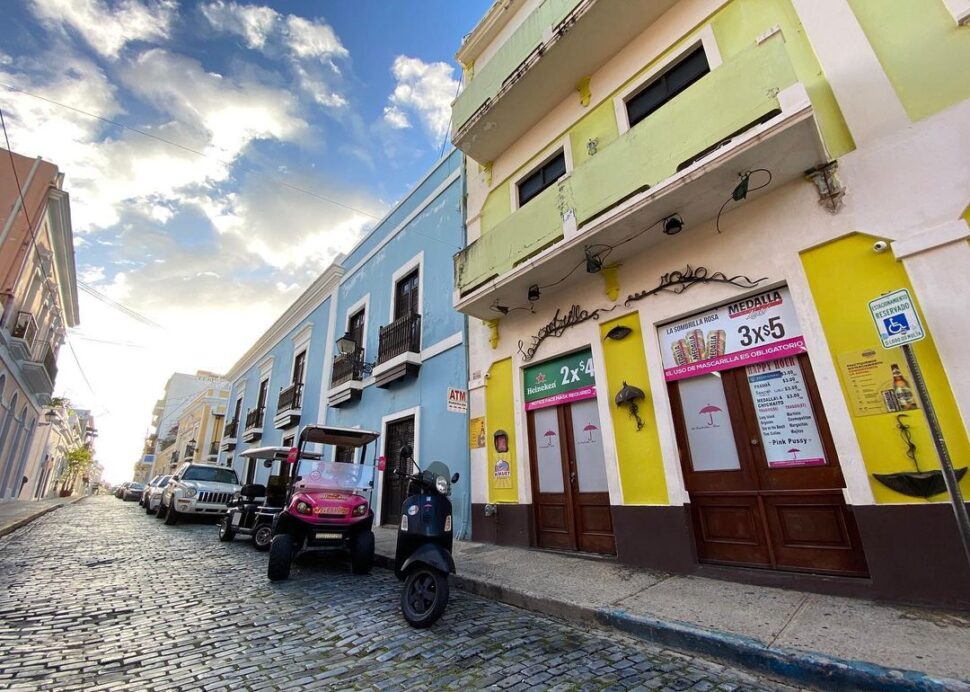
<point x="416" y="262"/>
<point x="960" y="9"/>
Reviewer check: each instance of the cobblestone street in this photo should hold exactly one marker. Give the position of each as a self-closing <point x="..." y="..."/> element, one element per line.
<point x="98" y="595"/>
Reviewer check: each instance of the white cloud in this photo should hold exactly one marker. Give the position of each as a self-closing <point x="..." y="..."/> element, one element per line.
<point x="109" y="27"/>
<point x="252" y="22"/>
<point x="396" y="118"/>
<point x="426" y="89"/>
<point x="313" y="39"/>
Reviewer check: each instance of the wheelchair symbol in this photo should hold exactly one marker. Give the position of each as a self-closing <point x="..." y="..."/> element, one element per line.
<point x="897" y="324"/>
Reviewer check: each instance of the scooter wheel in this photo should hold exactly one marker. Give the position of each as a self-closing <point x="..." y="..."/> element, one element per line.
<point x="280" y="557"/>
<point x="263" y="537"/>
<point x="226" y="533"/>
<point x="425" y="596"/>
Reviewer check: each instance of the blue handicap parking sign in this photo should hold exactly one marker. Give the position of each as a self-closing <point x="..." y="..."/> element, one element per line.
<point x="897" y="324"/>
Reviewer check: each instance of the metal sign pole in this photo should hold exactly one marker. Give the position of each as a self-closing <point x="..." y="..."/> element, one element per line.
<point x="952" y="484"/>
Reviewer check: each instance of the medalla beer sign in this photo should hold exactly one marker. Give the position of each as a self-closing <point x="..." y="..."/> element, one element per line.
<point x="560" y="380"/>
<point x="750" y="330"/>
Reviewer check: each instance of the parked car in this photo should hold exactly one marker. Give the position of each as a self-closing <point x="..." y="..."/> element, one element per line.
<point x="120" y="490"/>
<point x="153" y="493"/>
<point x="133" y="492"/>
<point x="198" y="489"/>
<point x="148" y="485"/>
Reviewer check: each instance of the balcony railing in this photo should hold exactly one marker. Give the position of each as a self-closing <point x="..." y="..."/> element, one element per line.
<point x="403" y="335"/>
<point x="254" y="418"/>
<point x="740" y="92"/>
<point x="232" y="427"/>
<point x="25" y="328"/>
<point x="347" y="367"/>
<point x="290" y="398"/>
<point x="175" y="458"/>
<point x="214" y="448"/>
<point x="50" y="363"/>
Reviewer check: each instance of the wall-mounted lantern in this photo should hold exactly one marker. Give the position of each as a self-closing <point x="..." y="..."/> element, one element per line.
<point x="619" y="332"/>
<point x="629" y="396"/>
<point x="347" y="346"/>
<point x="501" y="441"/>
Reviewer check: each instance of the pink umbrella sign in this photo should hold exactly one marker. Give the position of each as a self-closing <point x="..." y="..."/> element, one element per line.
<point x="794" y="453"/>
<point x="710" y="410"/>
<point x="549" y="434"/>
<point x="589" y="431"/>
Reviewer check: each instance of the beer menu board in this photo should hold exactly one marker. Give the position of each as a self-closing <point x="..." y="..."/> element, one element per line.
<point x="755" y="329"/>
<point x="875" y="385"/>
<point x="789" y="434"/>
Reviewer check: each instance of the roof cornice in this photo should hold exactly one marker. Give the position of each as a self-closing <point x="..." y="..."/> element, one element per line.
<point x="62" y="242"/>
<point x="495" y="19"/>
<point x="322" y="287"/>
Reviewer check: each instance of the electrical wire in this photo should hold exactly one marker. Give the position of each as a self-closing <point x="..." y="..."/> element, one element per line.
<point x="90" y="290"/>
<point x="741" y="191"/>
<point x="143" y="133"/>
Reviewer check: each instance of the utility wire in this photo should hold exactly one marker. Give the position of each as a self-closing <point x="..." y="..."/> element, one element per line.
<point x="143" y="133"/>
<point x="118" y="306"/>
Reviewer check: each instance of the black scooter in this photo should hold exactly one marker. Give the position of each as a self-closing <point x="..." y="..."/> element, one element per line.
<point x="424" y="541"/>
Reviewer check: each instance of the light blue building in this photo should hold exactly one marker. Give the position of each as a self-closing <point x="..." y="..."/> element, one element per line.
<point x="383" y="350"/>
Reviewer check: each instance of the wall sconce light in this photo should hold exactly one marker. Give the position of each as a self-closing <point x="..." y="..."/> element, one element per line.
<point x="534" y="293"/>
<point x="501" y="441"/>
<point x="630" y="395"/>
<point x="673" y="224"/>
<point x="593" y="263"/>
<point x="619" y="332"/>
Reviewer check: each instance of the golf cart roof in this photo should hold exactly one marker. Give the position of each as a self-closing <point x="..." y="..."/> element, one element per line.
<point x="332" y="435"/>
<point x="273" y="453"/>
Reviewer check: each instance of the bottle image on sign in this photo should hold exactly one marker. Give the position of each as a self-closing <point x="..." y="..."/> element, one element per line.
<point x="904" y="395"/>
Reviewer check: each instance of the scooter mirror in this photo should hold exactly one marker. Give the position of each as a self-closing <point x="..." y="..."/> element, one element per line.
<point x="454" y="479"/>
<point x="381" y="463"/>
<point x="406" y="452"/>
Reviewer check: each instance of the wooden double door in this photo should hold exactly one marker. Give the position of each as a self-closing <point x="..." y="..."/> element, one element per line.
<point x="571" y="497"/>
<point x="399" y="433"/>
<point x="761" y="470"/>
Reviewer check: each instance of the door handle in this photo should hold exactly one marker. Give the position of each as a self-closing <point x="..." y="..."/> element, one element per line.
<point x="572" y="478"/>
<point x="754" y="442"/>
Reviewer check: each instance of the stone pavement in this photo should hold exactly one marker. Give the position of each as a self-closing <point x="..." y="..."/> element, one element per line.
<point x="16" y="513"/>
<point x="766" y="628"/>
<point x="99" y="595"/>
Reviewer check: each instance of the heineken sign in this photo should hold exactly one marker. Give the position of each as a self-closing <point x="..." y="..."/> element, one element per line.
<point x="560" y="381"/>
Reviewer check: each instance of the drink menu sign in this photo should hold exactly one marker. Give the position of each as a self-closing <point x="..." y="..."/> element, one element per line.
<point x="751" y="330"/>
<point x="788" y="431"/>
<point x="560" y="381"/>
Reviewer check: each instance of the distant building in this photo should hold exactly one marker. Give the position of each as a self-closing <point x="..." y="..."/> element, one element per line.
<point x="38" y="296"/>
<point x="198" y="431"/>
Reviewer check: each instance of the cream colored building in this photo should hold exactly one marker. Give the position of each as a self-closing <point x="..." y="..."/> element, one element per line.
<point x="197" y="431"/>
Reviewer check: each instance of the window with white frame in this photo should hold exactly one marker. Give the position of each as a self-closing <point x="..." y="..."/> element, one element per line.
<point x="668" y="84"/>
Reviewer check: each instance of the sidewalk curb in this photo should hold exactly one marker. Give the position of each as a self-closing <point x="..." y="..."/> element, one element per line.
<point x="10" y="528"/>
<point x="792" y="665"/>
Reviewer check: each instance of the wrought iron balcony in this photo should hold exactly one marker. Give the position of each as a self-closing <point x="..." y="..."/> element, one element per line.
<point x="254" y="418"/>
<point x="403" y="335"/>
<point x="25" y="328"/>
<point x="214" y="448"/>
<point x="232" y="427"/>
<point x="291" y="398"/>
<point x="50" y="363"/>
<point x="347" y="367"/>
<point x="175" y="458"/>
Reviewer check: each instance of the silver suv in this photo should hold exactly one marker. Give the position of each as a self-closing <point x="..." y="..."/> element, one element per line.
<point x="198" y="489"/>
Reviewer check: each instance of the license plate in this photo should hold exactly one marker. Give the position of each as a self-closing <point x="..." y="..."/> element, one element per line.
<point x="236" y="518"/>
<point x="329" y="536"/>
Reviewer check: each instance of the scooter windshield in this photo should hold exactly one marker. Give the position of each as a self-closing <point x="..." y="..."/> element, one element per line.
<point x="335" y="475"/>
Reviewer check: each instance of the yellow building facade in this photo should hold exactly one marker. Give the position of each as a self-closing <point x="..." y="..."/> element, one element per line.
<point x="678" y="214"/>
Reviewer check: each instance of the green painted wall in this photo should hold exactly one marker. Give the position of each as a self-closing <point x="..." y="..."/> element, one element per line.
<point x="924" y="53"/>
<point x="736" y="27"/>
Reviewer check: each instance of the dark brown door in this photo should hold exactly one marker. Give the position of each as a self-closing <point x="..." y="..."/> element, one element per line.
<point x="299" y="368"/>
<point x="571" y="497"/>
<point x="399" y="433"/>
<point x="406" y="296"/>
<point x="355" y="327"/>
<point x="760" y="467"/>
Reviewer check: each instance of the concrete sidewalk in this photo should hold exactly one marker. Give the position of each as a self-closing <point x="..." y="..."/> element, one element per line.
<point x="803" y="637"/>
<point x="16" y="513"/>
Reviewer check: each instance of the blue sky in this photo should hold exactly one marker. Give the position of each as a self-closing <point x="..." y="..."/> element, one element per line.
<point x="346" y="101"/>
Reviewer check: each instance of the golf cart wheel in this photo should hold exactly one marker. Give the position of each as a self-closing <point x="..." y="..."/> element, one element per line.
<point x="280" y="557"/>
<point x="171" y="516"/>
<point x="362" y="553"/>
<point x="226" y="533"/>
<point x="425" y="596"/>
<point x="263" y="537"/>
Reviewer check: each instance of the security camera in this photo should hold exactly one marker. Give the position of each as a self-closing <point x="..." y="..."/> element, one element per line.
<point x="880" y="246"/>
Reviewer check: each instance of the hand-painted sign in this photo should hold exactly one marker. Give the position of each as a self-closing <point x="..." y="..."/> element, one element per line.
<point x="896" y="319"/>
<point x="560" y="380"/>
<point x="751" y="330"/>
